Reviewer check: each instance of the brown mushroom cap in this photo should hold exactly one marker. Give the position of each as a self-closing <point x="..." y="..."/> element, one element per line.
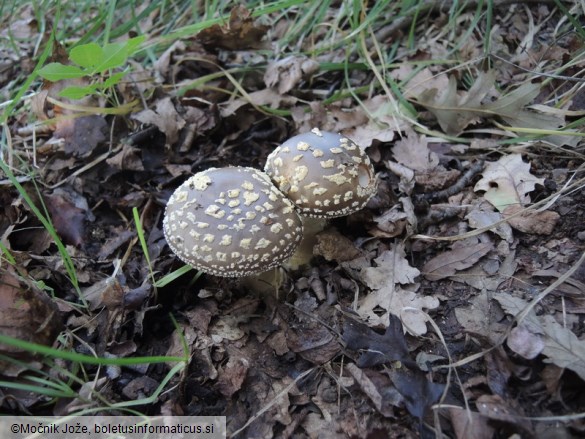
<point x="325" y="174"/>
<point x="231" y="222"/>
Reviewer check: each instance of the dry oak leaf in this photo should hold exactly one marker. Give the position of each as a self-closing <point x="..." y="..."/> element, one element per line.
<point x="384" y="280"/>
<point x="456" y="110"/>
<point x="507" y="182"/>
<point x="395" y="300"/>
<point x="413" y="152"/>
<point x="462" y="256"/>
<point x="392" y="266"/>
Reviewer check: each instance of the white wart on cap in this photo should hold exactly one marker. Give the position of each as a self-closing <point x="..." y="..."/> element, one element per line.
<point x="231" y="222"/>
<point x="325" y="174"/>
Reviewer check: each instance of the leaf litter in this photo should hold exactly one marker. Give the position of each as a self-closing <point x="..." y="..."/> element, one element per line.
<point x="406" y="305"/>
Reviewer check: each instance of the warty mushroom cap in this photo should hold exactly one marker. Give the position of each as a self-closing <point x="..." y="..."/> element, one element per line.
<point x="231" y="222"/>
<point x="324" y="174"/>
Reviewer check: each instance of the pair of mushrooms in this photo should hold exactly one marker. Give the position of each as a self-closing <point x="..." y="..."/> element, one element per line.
<point x="239" y="221"/>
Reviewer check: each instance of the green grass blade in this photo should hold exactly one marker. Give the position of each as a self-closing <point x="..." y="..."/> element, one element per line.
<point x="81" y="358"/>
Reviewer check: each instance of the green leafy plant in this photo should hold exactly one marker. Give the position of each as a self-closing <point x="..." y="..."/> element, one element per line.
<point x="95" y="63"/>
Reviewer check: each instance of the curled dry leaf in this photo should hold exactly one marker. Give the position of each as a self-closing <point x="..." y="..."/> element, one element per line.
<point x="286" y="73"/>
<point x="262" y="97"/>
<point x="239" y="33"/>
<point x="530" y="221"/>
<point x="127" y="160"/>
<point x="165" y="117"/>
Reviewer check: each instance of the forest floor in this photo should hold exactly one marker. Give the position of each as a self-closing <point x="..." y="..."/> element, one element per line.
<point x="452" y="305"/>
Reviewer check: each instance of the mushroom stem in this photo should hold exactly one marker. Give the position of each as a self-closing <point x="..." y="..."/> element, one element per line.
<point x="304" y="252"/>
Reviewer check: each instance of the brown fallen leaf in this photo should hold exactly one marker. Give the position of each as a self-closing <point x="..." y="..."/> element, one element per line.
<point x="26" y="313"/>
<point x="422" y="81"/>
<point x="389" y="295"/>
<point x="479" y="217"/>
<point x="81" y="135"/>
<point x="413" y="152"/>
<point x="140" y="387"/>
<point x="391" y="267"/>
<point x="262" y="97"/>
<point x="315" y="344"/>
<point x="286" y="73"/>
<point x="127" y="160"/>
<point x="562" y="347"/>
<point x="232" y="375"/>
<point x="239" y="33"/>
<point x="436" y="179"/>
<point x="459" y="258"/>
<point x="418" y="391"/>
<point x="378" y="388"/>
<point x="390" y="224"/>
<point x="68" y="219"/>
<point x="165" y="117"/>
<point x="538" y="223"/>
<point x="455" y="110"/>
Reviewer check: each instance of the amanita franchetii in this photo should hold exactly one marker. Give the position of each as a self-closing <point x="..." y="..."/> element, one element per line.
<point x="231" y="222"/>
<point x="326" y="175"/>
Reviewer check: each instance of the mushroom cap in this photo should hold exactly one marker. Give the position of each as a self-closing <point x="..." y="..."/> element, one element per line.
<point x="231" y="222"/>
<point x="325" y="174"/>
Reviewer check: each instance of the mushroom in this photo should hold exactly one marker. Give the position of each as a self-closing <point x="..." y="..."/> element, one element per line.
<point x="326" y="175"/>
<point x="231" y="222"/>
